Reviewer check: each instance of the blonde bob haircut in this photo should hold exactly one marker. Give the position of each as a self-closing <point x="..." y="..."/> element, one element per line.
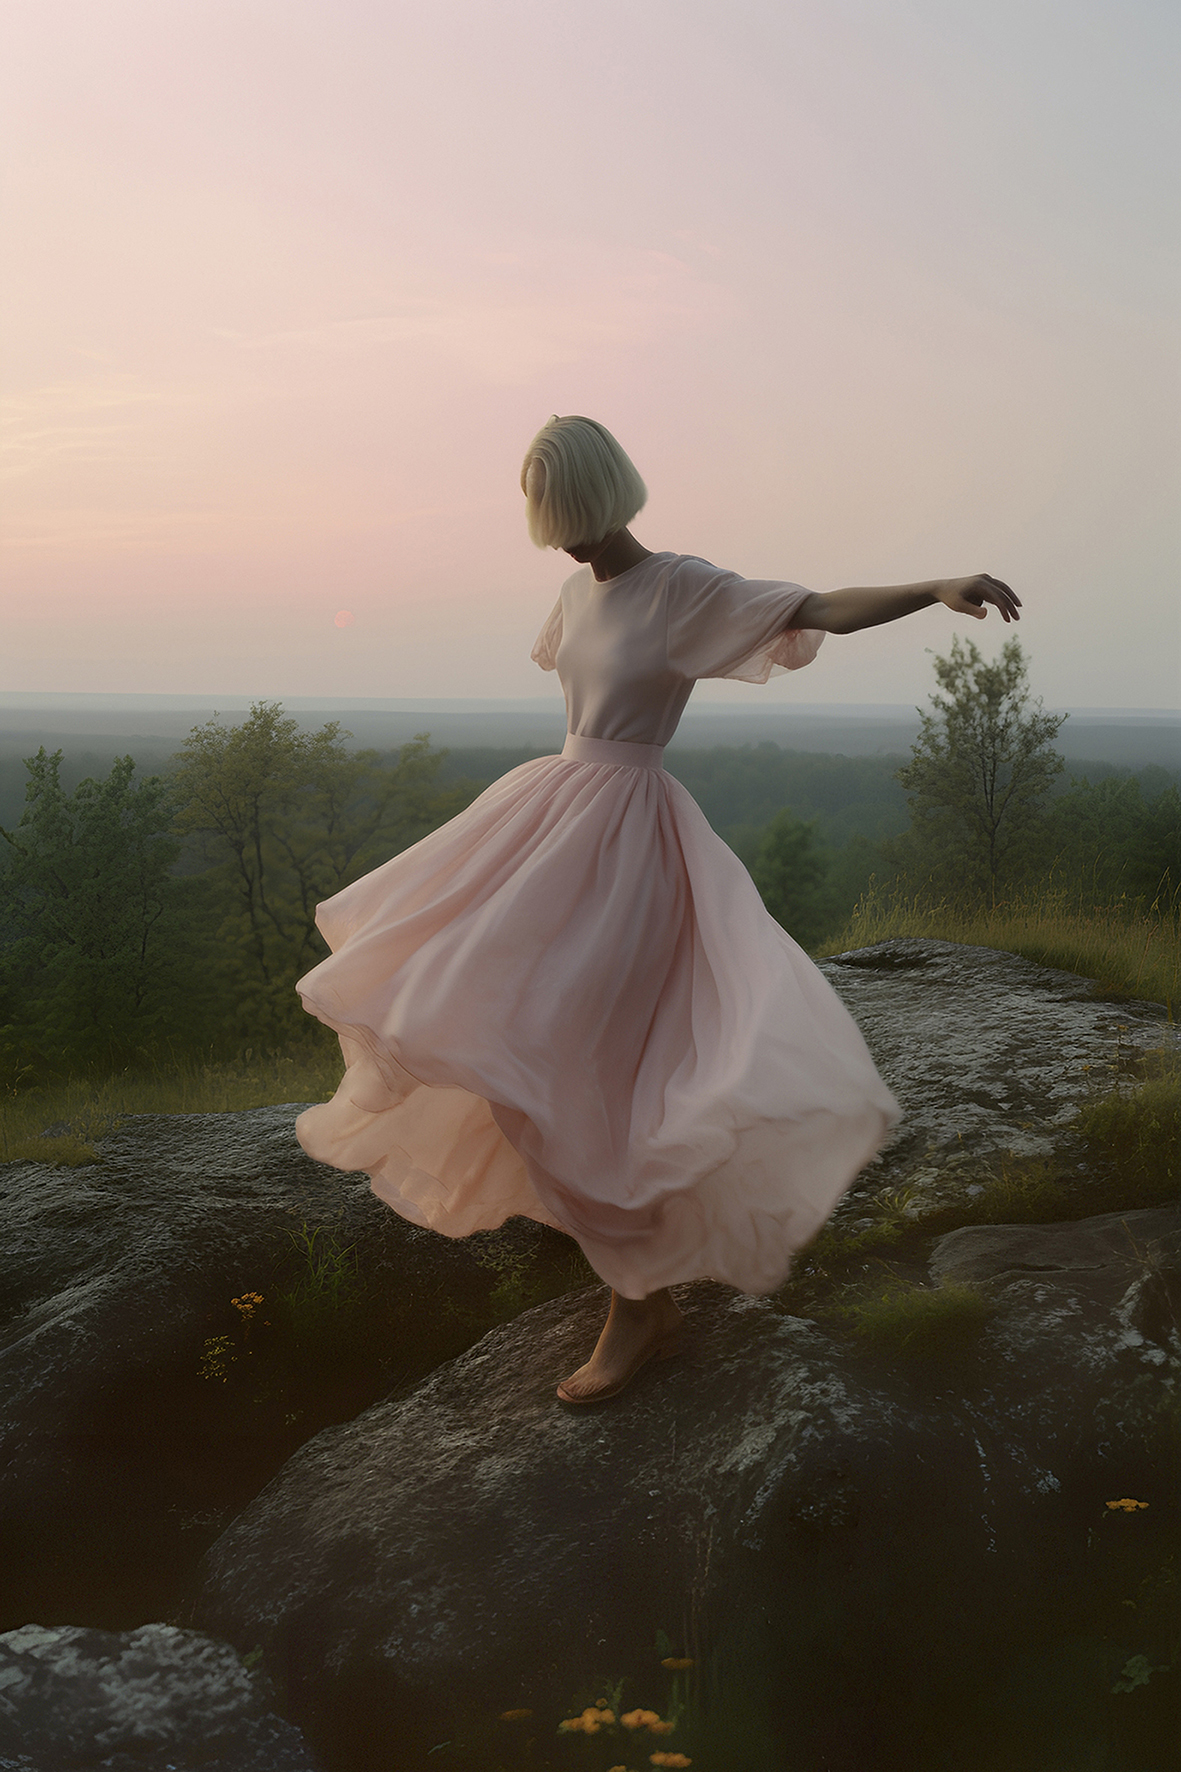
<point x="579" y="486"/>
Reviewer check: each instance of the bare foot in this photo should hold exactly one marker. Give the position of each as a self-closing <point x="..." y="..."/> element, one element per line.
<point x="635" y="1330"/>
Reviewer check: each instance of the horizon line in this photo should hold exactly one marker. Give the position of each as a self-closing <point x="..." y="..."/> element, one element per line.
<point x="31" y="699"/>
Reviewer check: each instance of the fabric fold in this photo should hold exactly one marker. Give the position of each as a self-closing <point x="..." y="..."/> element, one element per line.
<point x="570" y="1003"/>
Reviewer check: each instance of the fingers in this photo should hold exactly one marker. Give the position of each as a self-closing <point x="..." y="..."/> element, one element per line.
<point x="997" y="592"/>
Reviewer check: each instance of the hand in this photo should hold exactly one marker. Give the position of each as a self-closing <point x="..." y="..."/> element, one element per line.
<point x="968" y="596"/>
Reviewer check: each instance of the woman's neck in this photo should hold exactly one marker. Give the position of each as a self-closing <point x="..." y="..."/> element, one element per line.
<point x="613" y="555"/>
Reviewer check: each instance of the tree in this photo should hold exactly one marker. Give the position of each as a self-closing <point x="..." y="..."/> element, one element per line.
<point x="979" y="773"/>
<point x="91" y="918"/>
<point x="1107" y="842"/>
<point x="791" y="871"/>
<point x="287" y="818"/>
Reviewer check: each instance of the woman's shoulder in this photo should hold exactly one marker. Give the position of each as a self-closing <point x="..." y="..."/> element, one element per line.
<point x="679" y="571"/>
<point x="693" y="569"/>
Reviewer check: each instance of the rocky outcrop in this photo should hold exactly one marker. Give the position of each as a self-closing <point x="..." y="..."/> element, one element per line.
<point x="985" y="1051"/>
<point x="896" y="1548"/>
<point x="156" y="1699"/>
<point x="866" y="1554"/>
<point x="118" y="1460"/>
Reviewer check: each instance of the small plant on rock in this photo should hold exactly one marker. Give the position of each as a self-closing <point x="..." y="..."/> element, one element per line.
<point x="1136" y="1134"/>
<point x="321" y="1301"/>
<point x="898" y="1206"/>
<point x="915" y="1322"/>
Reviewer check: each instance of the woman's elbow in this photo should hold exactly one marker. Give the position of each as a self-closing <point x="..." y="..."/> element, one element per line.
<point x="817" y="613"/>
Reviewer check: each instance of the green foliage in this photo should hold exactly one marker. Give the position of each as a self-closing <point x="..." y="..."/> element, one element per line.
<point x="1028" y="1190"/>
<point x="791" y="870"/>
<point x="979" y="775"/>
<point x="318" y="1306"/>
<point x="285" y="819"/>
<point x="523" y="1281"/>
<point x="512" y="1292"/>
<point x="1137" y="1671"/>
<point x="676" y="1710"/>
<point x="914" y="1322"/>
<point x="1110" y="842"/>
<point x="314" y="1318"/>
<point x="95" y="950"/>
<point x="740" y="788"/>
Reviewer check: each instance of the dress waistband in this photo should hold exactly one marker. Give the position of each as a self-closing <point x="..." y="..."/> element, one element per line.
<point x="620" y="753"/>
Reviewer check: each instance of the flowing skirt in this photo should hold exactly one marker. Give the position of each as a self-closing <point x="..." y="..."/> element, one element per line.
<point x="570" y="1003"/>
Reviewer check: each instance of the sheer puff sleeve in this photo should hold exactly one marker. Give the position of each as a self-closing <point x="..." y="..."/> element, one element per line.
<point x="721" y="625"/>
<point x="545" y="648"/>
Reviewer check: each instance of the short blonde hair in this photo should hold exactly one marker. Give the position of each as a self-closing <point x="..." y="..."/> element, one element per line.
<point x="579" y="485"/>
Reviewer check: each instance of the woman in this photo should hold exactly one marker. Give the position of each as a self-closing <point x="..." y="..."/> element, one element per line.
<point x="569" y="1002"/>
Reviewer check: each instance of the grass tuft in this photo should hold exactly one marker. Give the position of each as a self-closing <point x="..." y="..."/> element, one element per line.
<point x="908" y="1321"/>
<point x="1130" y="952"/>
<point x="1028" y="1190"/>
<point x="1137" y="1134"/>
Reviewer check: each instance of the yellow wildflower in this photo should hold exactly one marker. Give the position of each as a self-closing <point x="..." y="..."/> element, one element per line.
<point x="514" y="1716"/>
<point x="669" y="1760"/>
<point x="677" y="1662"/>
<point x="589" y="1723"/>
<point x="659" y="1728"/>
<point x="1127" y="1504"/>
<point x="639" y="1719"/>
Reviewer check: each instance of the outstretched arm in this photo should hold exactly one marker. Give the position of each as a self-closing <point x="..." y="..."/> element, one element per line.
<point x="846" y="612"/>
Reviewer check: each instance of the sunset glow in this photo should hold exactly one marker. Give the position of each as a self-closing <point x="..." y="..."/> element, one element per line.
<point x="870" y="292"/>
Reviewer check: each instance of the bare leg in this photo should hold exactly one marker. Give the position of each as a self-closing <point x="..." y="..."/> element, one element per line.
<point x="636" y="1328"/>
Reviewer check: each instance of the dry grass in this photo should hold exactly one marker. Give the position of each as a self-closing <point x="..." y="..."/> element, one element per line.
<point x="1128" y="951"/>
<point x="80" y="1110"/>
<point x="1137" y="1133"/>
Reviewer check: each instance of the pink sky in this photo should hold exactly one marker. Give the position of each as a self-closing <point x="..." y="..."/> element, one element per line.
<point x="871" y="290"/>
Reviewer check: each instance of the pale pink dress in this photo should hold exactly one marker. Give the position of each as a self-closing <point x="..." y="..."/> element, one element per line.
<point x="570" y="1003"/>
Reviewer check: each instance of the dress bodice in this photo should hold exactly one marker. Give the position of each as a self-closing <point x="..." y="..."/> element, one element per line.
<point x="628" y="650"/>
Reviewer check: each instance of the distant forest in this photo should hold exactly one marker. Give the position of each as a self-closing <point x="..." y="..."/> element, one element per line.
<point x="170" y="908"/>
<point x="740" y="788"/>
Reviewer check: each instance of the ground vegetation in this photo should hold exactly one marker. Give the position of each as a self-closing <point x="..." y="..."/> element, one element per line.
<point x="153" y="926"/>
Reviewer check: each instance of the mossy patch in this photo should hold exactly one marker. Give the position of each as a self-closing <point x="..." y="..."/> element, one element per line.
<point x="912" y="1322"/>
